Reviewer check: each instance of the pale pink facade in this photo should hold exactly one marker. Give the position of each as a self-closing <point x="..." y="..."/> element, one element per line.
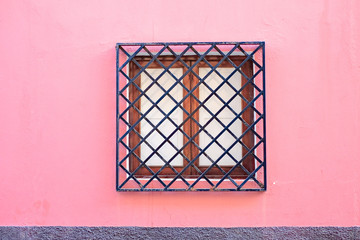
<point x="57" y="102"/>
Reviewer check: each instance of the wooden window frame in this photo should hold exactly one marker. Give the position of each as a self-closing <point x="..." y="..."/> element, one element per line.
<point x="190" y="127"/>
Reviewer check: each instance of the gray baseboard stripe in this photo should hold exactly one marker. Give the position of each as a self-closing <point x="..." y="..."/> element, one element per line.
<point x="105" y="233"/>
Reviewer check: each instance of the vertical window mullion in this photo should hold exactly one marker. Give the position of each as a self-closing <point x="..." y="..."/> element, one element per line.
<point x="133" y="117"/>
<point x="248" y="115"/>
<point x="187" y="124"/>
<point x="194" y="125"/>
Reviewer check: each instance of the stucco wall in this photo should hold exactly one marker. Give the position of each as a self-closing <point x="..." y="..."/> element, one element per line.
<point x="57" y="105"/>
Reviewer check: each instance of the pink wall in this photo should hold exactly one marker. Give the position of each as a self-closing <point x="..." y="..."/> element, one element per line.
<point x="57" y="104"/>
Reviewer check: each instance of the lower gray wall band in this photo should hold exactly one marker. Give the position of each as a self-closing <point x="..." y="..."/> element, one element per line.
<point x="102" y="233"/>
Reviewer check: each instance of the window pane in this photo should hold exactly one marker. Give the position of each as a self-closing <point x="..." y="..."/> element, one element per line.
<point x="225" y="116"/>
<point x="155" y="116"/>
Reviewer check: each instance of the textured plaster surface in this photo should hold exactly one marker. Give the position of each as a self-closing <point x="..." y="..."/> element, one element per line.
<point x="57" y="112"/>
<point x="107" y="233"/>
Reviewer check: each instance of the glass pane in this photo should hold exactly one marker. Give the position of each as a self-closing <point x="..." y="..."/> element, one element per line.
<point x="155" y="116"/>
<point x="225" y="116"/>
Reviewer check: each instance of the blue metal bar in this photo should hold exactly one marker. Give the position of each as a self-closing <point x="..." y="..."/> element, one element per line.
<point x="117" y="120"/>
<point x="136" y="48"/>
<point x="264" y="110"/>
<point x="191" y="43"/>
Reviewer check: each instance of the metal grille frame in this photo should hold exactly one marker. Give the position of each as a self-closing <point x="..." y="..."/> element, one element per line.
<point x="127" y="180"/>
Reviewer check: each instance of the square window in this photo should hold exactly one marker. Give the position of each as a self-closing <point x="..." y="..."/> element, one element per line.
<point x="191" y="116"/>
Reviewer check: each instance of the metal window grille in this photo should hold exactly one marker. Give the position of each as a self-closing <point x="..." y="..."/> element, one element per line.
<point x="128" y="179"/>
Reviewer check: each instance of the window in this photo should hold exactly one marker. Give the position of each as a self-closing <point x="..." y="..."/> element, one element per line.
<point x="190" y="116"/>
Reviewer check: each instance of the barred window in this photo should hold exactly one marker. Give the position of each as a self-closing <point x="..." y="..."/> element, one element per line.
<point x="191" y="116"/>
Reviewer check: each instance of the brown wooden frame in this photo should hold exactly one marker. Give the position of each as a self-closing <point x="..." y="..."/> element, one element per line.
<point x="190" y="127"/>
